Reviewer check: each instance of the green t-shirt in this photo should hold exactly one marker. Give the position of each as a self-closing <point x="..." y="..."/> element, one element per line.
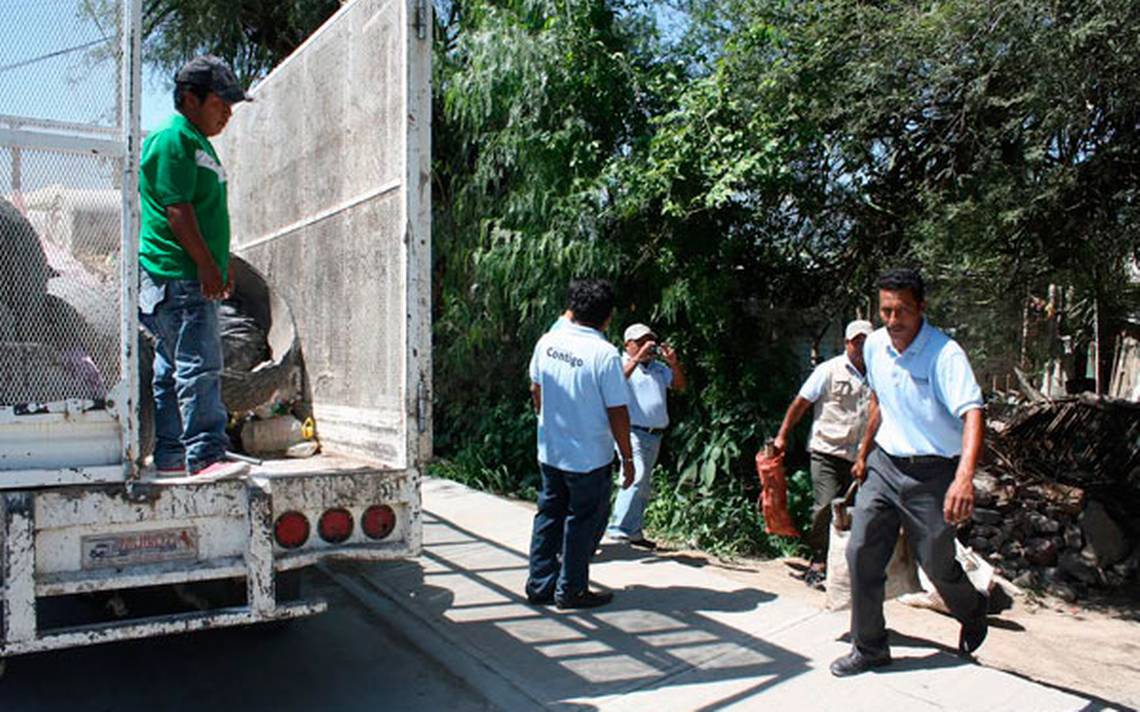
<point x="180" y="166"/>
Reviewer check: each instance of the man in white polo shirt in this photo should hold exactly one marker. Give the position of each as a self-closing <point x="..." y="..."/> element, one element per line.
<point x="916" y="464"/>
<point x="580" y="396"/>
<point x="838" y="391"/>
<point x="649" y="381"/>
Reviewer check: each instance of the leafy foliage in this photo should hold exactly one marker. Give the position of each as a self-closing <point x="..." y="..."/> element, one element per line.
<point x="746" y="171"/>
<point x="252" y="36"/>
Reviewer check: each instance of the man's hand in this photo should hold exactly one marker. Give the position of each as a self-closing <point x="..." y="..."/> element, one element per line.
<point x="959" y="504"/>
<point x="669" y="355"/>
<point x="859" y="468"/>
<point x="780" y="443"/>
<point x="210" y="277"/>
<point x="628" y="473"/>
<point x="645" y="353"/>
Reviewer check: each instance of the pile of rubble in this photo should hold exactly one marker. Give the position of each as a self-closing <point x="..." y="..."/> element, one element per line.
<point x="1058" y="502"/>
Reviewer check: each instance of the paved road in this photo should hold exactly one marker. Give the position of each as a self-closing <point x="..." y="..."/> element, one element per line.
<point x="345" y="659"/>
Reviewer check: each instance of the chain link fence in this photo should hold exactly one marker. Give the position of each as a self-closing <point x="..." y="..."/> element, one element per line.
<point x="60" y="200"/>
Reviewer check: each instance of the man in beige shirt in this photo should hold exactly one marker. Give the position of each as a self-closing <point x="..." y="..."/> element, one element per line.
<point x="837" y="390"/>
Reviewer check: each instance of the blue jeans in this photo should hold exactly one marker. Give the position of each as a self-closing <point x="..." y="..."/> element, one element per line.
<point x="629" y="507"/>
<point x="569" y="514"/>
<point x="189" y="417"/>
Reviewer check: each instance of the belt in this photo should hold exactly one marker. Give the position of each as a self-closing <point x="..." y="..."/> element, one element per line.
<point x="650" y="431"/>
<point x="921" y="459"/>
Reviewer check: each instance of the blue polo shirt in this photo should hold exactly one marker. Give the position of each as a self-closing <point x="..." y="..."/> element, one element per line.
<point x="923" y="392"/>
<point x="647" y="388"/>
<point x="580" y="376"/>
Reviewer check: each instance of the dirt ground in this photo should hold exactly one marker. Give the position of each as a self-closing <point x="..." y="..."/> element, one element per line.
<point x="1093" y="649"/>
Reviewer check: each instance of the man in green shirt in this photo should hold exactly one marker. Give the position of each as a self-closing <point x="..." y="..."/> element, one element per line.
<point x="184" y="250"/>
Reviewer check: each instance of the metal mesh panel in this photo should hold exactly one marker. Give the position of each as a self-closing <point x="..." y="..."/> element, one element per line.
<point x="60" y="60"/>
<point x="59" y="275"/>
<point x="60" y="210"/>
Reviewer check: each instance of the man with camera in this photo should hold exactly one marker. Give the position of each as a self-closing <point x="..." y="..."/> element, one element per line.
<point x="648" y="379"/>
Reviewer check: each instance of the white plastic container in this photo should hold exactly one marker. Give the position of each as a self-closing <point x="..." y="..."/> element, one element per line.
<point x="274" y="436"/>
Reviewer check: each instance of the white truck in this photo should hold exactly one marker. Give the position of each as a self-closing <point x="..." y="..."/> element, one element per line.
<point x="329" y="195"/>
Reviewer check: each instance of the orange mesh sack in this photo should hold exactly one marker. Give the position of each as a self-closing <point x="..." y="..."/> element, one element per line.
<point x="774" y="494"/>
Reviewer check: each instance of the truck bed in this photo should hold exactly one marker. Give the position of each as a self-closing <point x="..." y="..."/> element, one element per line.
<point x="319" y="464"/>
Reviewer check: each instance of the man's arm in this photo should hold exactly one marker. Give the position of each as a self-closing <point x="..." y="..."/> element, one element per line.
<point x="796" y="410"/>
<point x="536" y="397"/>
<point x="184" y="225"/>
<point x="874" y="418"/>
<point x="638" y="358"/>
<point x="619" y="425"/>
<point x="959" y="504"/>
<point x="670" y="355"/>
<point x="628" y="367"/>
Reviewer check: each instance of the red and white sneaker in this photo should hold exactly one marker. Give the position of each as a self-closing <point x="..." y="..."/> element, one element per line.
<point x="164" y="472"/>
<point x="220" y="470"/>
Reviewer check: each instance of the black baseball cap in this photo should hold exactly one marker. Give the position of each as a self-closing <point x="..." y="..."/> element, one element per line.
<point x="214" y="74"/>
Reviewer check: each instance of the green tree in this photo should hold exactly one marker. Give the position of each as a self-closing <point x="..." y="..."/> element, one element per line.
<point x="767" y="167"/>
<point x="251" y="35"/>
<point x="532" y="102"/>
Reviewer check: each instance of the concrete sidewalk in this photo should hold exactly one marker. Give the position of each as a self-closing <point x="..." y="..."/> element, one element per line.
<point x="676" y="637"/>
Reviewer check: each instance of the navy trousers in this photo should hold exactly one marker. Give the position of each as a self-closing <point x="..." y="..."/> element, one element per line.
<point x="570" y="513"/>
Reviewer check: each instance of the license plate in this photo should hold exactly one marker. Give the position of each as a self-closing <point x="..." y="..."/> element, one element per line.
<point x="135" y="548"/>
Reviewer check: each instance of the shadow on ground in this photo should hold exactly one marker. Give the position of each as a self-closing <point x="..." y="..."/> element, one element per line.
<point x="655" y="634"/>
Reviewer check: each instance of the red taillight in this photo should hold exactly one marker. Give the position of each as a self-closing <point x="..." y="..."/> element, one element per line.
<point x="291" y="530"/>
<point x="378" y="521"/>
<point x="335" y="525"/>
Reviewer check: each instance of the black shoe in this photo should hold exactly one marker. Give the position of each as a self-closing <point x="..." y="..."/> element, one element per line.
<point x="815" y="578"/>
<point x="972" y="636"/>
<point x="585" y="599"/>
<point x="644" y="543"/>
<point x="855" y="662"/>
<point x="536" y="600"/>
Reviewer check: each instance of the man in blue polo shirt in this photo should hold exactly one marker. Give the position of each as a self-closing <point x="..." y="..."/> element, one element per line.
<point x="649" y="380"/>
<point x="916" y="465"/>
<point x="580" y="396"/>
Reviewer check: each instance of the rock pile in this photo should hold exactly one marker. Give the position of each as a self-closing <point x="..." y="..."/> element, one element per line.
<point x="1056" y="504"/>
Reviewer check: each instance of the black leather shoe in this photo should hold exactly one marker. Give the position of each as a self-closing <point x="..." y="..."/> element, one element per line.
<point x="855" y="662"/>
<point x="643" y="543"/>
<point x="972" y="636"/>
<point x="585" y="599"/>
<point x="536" y="600"/>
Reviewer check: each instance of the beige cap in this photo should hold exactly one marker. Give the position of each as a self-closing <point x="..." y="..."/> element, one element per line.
<point x="859" y="327"/>
<point x="636" y="331"/>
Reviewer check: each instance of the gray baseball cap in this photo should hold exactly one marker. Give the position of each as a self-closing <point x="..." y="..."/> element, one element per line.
<point x="214" y="74"/>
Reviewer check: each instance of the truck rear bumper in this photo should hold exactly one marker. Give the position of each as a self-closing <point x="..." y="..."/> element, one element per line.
<point x="82" y="540"/>
<point x="153" y="627"/>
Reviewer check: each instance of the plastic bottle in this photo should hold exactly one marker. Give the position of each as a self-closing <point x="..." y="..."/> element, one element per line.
<point x="275" y="435"/>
